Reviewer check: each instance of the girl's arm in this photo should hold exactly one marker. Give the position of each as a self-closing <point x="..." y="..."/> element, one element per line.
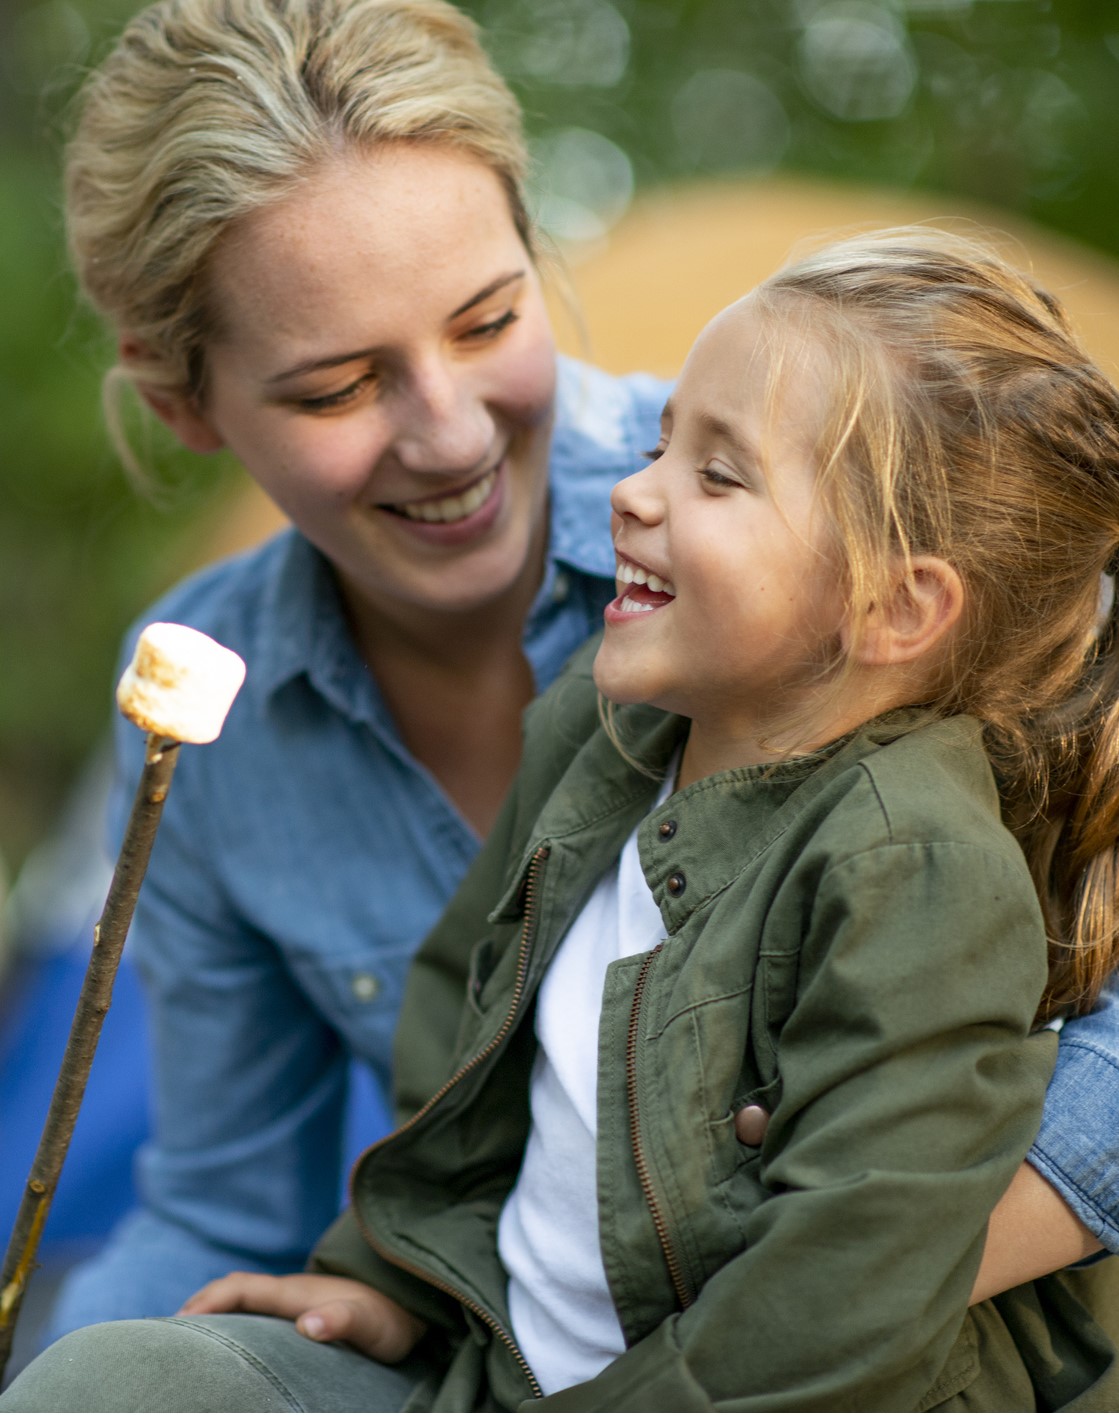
<point x="1031" y="1232"/>
<point x="322" y="1308"/>
<point x="1063" y="1204"/>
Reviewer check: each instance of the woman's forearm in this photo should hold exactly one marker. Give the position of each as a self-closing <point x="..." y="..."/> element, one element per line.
<point x="1031" y="1232"/>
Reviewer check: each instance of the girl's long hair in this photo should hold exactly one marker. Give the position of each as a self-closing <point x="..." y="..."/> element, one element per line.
<point x="966" y="422"/>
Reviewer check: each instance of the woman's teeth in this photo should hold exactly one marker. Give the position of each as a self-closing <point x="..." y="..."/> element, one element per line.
<point x="628" y="574"/>
<point x="450" y="508"/>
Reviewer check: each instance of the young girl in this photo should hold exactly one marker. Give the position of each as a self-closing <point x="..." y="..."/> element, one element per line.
<point x="858" y="583"/>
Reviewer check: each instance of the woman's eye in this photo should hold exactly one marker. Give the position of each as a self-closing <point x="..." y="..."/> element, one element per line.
<point x="324" y="402"/>
<point x="482" y="332"/>
<point x="654" y="454"/>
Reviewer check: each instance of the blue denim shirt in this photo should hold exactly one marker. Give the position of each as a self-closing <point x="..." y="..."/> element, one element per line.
<point x="301" y="859"/>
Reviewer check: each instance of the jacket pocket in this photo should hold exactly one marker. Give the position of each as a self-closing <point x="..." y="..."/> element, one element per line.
<point x="483" y="957"/>
<point x="957" y="1373"/>
<point x="987" y="1368"/>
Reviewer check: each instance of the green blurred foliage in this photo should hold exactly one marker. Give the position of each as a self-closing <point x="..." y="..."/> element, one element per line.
<point x="1010" y="101"/>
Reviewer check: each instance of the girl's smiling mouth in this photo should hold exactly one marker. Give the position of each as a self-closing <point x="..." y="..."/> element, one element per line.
<point x="640" y="590"/>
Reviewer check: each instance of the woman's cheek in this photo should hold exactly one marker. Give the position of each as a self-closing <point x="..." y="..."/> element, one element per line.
<point x="529" y="374"/>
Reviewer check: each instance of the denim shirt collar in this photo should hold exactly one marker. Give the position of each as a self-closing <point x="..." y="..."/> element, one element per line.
<point x="302" y="630"/>
<point x="595" y="428"/>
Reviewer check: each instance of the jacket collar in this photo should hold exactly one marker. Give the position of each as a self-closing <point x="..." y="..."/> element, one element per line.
<point x="720" y="824"/>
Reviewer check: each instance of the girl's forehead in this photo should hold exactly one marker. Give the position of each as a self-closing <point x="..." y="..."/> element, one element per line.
<point x="756" y="355"/>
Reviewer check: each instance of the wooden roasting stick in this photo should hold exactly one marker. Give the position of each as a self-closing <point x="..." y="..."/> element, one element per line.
<point x="178" y="688"/>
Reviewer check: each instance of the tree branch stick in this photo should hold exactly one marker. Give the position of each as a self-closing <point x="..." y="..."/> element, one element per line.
<point x="93" y="1003"/>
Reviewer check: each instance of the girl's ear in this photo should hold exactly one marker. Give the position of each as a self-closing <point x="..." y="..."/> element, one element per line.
<point x="175" y="410"/>
<point x="927" y="601"/>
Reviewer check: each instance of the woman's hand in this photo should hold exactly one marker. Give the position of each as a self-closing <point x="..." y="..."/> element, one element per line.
<point x="323" y="1308"/>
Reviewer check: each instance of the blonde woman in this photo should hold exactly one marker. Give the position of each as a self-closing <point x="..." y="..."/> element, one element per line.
<point x="304" y="221"/>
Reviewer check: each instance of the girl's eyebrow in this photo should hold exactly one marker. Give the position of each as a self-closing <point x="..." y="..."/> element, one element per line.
<point x="334" y="360"/>
<point x="718" y="427"/>
<point x="715" y="426"/>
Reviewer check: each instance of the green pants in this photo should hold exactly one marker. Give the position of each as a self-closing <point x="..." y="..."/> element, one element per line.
<point x="218" y="1363"/>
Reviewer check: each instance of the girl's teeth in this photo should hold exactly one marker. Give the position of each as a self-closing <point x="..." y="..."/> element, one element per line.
<point x="450" y="508"/>
<point x="629" y="574"/>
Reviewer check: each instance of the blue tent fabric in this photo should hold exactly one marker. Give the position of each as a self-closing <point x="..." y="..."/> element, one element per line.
<point x="96" y="1187"/>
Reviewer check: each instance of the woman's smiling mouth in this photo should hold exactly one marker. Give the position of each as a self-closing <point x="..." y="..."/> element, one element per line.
<point x="446" y="510"/>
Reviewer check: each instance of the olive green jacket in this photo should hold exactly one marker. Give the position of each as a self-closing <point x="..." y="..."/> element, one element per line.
<point x="852" y="941"/>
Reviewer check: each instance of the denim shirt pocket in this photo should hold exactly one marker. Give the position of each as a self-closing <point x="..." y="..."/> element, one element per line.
<point x="359" y="996"/>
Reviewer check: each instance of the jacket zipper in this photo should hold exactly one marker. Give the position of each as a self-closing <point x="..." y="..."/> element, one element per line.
<point x="683" y="1295"/>
<point x="528" y="929"/>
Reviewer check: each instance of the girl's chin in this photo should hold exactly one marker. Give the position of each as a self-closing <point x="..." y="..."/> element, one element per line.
<point x="614" y="679"/>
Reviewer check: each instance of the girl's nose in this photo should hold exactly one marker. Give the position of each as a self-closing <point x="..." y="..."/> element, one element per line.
<point x="444" y="423"/>
<point x="639" y="495"/>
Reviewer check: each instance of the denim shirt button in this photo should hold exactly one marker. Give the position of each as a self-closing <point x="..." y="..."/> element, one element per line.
<point x="365" y="986"/>
<point x="677" y="883"/>
<point x="666" y="830"/>
<point x="561" y="588"/>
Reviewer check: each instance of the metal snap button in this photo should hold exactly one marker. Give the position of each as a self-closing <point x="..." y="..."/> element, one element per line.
<point x="677" y="883"/>
<point x="365" y="986"/>
<point x="666" y="830"/>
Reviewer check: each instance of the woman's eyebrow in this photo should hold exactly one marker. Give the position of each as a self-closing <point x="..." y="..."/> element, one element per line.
<point x="334" y="360"/>
<point x="331" y="361"/>
<point x="491" y="289"/>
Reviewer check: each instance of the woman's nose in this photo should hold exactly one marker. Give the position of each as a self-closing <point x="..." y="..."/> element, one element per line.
<point x="444" y="423"/>
<point x="639" y="495"/>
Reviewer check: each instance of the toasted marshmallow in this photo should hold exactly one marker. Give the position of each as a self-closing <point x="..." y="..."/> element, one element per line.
<point x="180" y="683"/>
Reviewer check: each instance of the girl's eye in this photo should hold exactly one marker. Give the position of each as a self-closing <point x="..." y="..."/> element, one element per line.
<point x="483" y="332"/>
<point x="326" y="401"/>
<point x="654" y="454"/>
<point x="713" y="478"/>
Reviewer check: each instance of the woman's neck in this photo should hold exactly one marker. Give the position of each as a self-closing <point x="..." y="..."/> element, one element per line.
<point x="456" y="684"/>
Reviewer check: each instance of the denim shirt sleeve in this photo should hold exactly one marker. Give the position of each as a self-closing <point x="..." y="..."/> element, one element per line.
<point x="1076" y="1149"/>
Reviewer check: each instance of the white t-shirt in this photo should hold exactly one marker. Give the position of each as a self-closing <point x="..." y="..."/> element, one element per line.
<point x="563" y="1318"/>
